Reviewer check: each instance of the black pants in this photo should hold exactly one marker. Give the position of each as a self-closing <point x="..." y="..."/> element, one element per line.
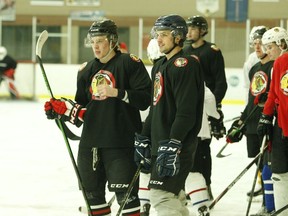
<point x="203" y="160"/>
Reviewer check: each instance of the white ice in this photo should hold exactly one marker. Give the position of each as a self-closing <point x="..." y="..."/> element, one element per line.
<point x="37" y="176"/>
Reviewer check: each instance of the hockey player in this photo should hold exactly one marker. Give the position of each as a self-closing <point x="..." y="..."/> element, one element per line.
<point x="275" y="42"/>
<point x="260" y="76"/>
<point x="196" y="186"/>
<point x="153" y="54"/>
<point x="251" y="61"/>
<point x="174" y="119"/>
<point x="111" y="89"/>
<point x="7" y="71"/>
<point x="212" y="63"/>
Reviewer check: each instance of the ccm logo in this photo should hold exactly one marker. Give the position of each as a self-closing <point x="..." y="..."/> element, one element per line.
<point x="154" y="182"/>
<point x="119" y="185"/>
<point x="171" y="149"/>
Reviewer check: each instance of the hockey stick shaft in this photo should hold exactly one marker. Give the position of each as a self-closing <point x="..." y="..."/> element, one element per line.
<point x="232" y="119"/>
<point x="234" y="181"/>
<point x="129" y="190"/>
<point x="219" y="154"/>
<point x="40" y="42"/>
<point x="279" y="210"/>
<point x="256" y="174"/>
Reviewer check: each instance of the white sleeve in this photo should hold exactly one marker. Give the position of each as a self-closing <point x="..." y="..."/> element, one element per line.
<point x="210" y="104"/>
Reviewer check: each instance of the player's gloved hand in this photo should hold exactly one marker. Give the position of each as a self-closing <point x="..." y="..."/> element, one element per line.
<point x="218" y="129"/>
<point x="168" y="162"/>
<point x="68" y="110"/>
<point x="142" y="152"/>
<point x="265" y="126"/>
<point x="260" y="99"/>
<point x="235" y="133"/>
<point x="9" y="73"/>
<point x="50" y="113"/>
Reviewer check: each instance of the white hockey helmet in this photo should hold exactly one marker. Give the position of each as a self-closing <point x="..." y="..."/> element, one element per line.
<point x="276" y="34"/>
<point x="3" y="52"/>
<point x="153" y="51"/>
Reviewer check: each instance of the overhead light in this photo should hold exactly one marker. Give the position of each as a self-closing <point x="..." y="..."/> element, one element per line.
<point x="47" y="2"/>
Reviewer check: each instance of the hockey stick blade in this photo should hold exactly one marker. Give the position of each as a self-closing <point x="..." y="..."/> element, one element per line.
<point x="40" y="42"/>
<point x="279" y="210"/>
<point x="220" y="155"/>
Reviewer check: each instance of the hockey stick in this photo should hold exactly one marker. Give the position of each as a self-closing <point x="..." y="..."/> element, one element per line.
<point x="129" y="190"/>
<point x="220" y="155"/>
<point x="40" y="42"/>
<point x="83" y="209"/>
<point x="216" y="200"/>
<point x="256" y="173"/>
<point x="279" y="210"/>
<point x="232" y="119"/>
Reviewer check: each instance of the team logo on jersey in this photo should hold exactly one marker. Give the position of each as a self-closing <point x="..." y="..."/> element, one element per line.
<point x="82" y="66"/>
<point x="102" y="77"/>
<point x="284" y="83"/>
<point x="259" y="83"/>
<point x="134" y="58"/>
<point x="180" y="62"/>
<point x="158" y="88"/>
<point x="214" y="47"/>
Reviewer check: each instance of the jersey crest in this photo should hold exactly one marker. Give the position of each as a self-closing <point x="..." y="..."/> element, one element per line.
<point x="284" y="83"/>
<point x="214" y="47"/>
<point x="259" y="83"/>
<point x="180" y="62"/>
<point x="134" y="58"/>
<point x="83" y="66"/>
<point x="158" y="88"/>
<point x="102" y="77"/>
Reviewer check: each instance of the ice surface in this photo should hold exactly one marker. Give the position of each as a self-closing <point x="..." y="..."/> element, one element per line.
<point x="37" y="176"/>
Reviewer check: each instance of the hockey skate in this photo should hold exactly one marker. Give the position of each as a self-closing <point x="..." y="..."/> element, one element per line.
<point x="203" y="211"/>
<point x="262" y="212"/>
<point x="146" y="210"/>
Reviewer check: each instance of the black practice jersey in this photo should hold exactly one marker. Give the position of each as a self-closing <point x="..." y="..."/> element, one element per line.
<point x="113" y="122"/>
<point x="7" y="63"/>
<point x="212" y="62"/>
<point x="259" y="76"/>
<point x="177" y="101"/>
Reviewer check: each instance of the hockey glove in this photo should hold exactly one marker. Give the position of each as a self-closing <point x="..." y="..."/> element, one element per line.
<point x="265" y="126"/>
<point x="68" y="110"/>
<point x="235" y="133"/>
<point x="50" y="113"/>
<point x="218" y="129"/>
<point x="168" y="162"/>
<point x="142" y="152"/>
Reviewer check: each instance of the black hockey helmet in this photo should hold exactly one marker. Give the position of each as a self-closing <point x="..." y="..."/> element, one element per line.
<point x="198" y="21"/>
<point x="104" y="27"/>
<point x="173" y="23"/>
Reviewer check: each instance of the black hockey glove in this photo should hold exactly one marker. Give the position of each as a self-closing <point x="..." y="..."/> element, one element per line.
<point x="167" y="162"/>
<point x="235" y="133"/>
<point x="68" y="110"/>
<point x="265" y="126"/>
<point x="218" y="129"/>
<point x="142" y="152"/>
